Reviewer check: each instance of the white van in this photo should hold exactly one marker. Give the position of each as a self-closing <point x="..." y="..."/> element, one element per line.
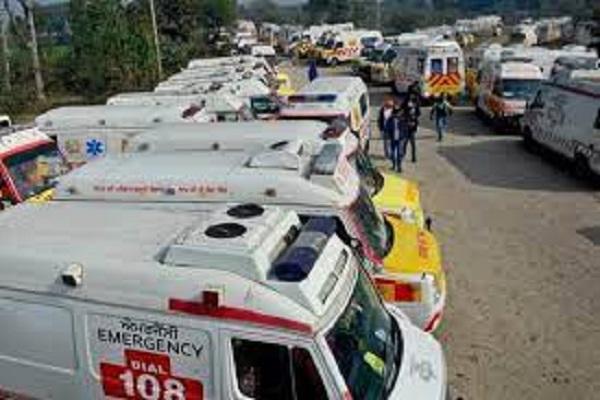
<point x="390" y="193"/>
<point x="84" y="133"/>
<point x="505" y="87"/>
<point x="437" y="67"/>
<point x="220" y="106"/>
<point x="564" y="116"/>
<point x="332" y="98"/>
<point x="289" y="175"/>
<point x="241" y="303"/>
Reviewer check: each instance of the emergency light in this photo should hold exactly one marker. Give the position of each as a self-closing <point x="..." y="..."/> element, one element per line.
<point x="298" y="260"/>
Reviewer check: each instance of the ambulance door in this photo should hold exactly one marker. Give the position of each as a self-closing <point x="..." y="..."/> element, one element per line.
<point x="38" y="358"/>
<point x="148" y="356"/>
<point x="268" y="366"/>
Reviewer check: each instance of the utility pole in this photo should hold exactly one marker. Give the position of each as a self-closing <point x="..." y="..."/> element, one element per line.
<point x="378" y="14"/>
<point x="37" y="69"/>
<point x="156" y="40"/>
<point x="5" y="21"/>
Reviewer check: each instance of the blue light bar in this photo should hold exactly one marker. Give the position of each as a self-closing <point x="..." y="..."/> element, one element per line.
<point x="299" y="259"/>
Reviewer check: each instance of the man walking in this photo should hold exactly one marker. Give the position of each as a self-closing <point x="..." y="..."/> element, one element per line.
<point x="385" y="113"/>
<point x="440" y="111"/>
<point x="412" y="112"/>
<point x="397" y="131"/>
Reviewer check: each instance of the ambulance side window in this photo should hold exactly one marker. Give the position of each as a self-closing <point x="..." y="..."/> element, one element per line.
<point x="437" y="66"/>
<point x="267" y="371"/>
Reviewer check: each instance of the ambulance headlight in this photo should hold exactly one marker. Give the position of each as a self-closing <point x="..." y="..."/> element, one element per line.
<point x="408" y="215"/>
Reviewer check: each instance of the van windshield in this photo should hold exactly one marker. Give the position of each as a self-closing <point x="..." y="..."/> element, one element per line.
<point x="519" y="89"/>
<point x="370" y="224"/>
<point x="36" y="170"/>
<point x="370" y="176"/>
<point x="366" y="344"/>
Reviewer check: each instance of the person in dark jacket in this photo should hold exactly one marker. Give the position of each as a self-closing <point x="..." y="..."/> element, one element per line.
<point x="313" y="73"/>
<point x="385" y="113"/>
<point x="412" y="112"/>
<point x="397" y="130"/>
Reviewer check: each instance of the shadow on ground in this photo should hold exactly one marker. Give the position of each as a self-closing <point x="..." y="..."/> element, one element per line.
<point x="504" y="163"/>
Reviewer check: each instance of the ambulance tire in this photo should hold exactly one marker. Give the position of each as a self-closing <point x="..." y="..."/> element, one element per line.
<point x="529" y="142"/>
<point x="581" y="167"/>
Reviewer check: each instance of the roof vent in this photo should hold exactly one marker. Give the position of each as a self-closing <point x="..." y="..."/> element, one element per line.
<point x="225" y="231"/>
<point x="244" y="211"/>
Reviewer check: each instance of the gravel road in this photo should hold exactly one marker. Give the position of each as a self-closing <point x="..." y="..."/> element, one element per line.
<point x="521" y="244"/>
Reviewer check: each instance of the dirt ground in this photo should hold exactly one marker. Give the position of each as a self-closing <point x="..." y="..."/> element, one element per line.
<point x="521" y="246"/>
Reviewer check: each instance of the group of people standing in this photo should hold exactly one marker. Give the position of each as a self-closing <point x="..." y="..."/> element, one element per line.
<point x="398" y="123"/>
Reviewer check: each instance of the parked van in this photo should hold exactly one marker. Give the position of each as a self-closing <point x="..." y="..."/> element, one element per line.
<point x="405" y="258"/>
<point x="84" y="133"/>
<point x="437" y="67"/>
<point x="31" y="164"/>
<point x="390" y="193"/>
<point x="504" y="89"/>
<point x="564" y="116"/>
<point x="332" y="98"/>
<point x="237" y="304"/>
<point x="347" y="46"/>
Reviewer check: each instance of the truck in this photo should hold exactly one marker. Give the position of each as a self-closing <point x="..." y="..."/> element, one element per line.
<point x="239" y="303"/>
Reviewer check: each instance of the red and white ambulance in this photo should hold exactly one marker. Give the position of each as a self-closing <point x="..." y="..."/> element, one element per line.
<point x="30" y="164"/>
<point x="245" y="302"/>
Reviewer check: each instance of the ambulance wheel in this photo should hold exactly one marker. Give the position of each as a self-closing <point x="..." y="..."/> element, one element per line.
<point x="528" y="142"/>
<point x="581" y="166"/>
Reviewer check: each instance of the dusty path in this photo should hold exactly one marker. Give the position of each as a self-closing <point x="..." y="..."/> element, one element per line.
<point x="523" y="316"/>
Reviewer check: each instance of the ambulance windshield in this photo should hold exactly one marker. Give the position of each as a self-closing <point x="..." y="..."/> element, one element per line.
<point x="36" y="170"/>
<point x="366" y="344"/>
<point x="519" y="89"/>
<point x="370" y="176"/>
<point x="369" y="224"/>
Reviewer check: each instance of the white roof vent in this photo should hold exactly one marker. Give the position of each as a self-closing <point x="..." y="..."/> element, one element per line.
<point x="288" y="156"/>
<point x="242" y="239"/>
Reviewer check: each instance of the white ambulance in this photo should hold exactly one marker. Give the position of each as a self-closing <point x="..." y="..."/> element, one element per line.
<point x="246" y="302"/>
<point x="564" y="116"/>
<point x="85" y="133"/>
<point x="437" y="67"/>
<point x="406" y="259"/>
<point x="505" y="87"/>
<point x="389" y="192"/>
<point x="332" y="98"/>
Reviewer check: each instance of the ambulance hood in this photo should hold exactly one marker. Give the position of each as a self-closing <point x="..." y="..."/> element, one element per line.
<point x="422" y="374"/>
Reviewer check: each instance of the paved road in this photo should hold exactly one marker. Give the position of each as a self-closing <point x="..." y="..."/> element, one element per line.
<point x="523" y="315"/>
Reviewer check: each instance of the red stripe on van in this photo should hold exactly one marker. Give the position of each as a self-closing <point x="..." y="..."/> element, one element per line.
<point x="237" y="314"/>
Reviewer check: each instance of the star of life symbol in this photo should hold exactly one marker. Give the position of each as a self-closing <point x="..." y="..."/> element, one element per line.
<point x="94" y="148"/>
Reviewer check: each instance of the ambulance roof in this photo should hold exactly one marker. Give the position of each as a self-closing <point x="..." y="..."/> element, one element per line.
<point x="183" y="137"/>
<point x="159" y="258"/>
<point x="520" y="70"/>
<point x="105" y="117"/>
<point x="201" y="177"/>
<point x="11" y="139"/>
<point x="329" y="95"/>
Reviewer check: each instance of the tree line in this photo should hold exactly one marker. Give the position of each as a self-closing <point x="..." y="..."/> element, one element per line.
<point x="99" y="47"/>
